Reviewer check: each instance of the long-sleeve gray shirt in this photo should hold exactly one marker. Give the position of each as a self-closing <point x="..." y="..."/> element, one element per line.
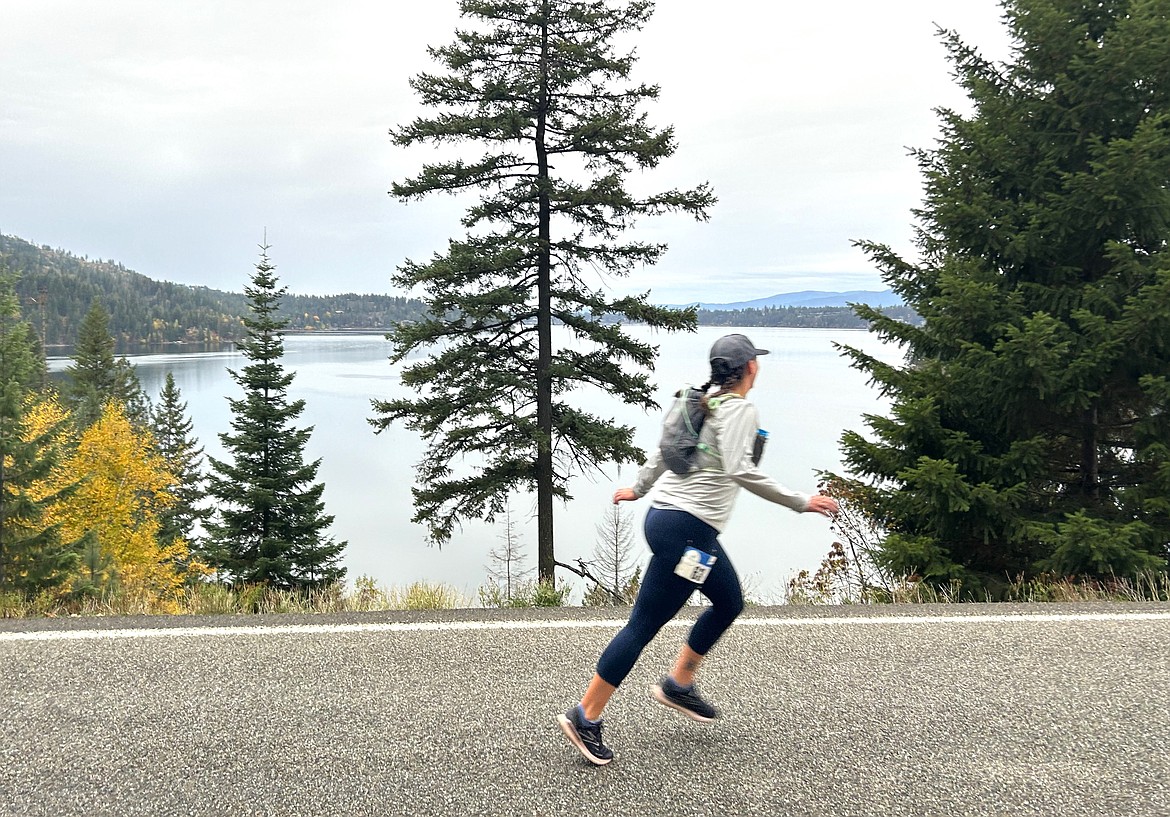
<point x="709" y="490"/>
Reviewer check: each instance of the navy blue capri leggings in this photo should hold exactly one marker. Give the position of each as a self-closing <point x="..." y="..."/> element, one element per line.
<point x="669" y="533"/>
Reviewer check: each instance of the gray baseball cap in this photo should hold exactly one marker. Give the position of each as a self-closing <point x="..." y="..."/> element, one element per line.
<point x="735" y="350"/>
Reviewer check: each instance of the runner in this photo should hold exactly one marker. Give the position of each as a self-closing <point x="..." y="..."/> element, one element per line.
<point x="682" y="529"/>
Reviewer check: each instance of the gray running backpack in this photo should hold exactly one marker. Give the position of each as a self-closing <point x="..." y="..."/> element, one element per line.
<point x="680" y="431"/>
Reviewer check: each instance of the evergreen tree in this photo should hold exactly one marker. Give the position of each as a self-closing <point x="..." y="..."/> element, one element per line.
<point x="96" y="376"/>
<point x="33" y="554"/>
<point x="1030" y="425"/>
<point x="542" y="87"/>
<point x="173" y="435"/>
<point x="269" y="525"/>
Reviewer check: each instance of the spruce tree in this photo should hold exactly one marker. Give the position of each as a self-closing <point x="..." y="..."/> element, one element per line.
<point x="269" y="525"/>
<point x="96" y="376"/>
<point x="33" y="554"/>
<point x="174" y="437"/>
<point x="543" y="89"/>
<point x="1030" y="426"/>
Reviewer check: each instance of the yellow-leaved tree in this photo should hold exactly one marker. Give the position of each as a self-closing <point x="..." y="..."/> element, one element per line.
<point x="124" y="485"/>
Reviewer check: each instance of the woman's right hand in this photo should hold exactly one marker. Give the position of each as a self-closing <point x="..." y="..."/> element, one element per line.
<point x="819" y="503"/>
<point x="624" y="495"/>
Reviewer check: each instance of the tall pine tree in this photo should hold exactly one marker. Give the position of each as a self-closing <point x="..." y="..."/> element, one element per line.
<point x="269" y="525"/>
<point x="1030" y="426"/>
<point x="542" y="87"/>
<point x="33" y="554"/>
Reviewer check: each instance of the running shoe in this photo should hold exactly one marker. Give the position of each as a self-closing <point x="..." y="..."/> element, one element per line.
<point x="586" y="736"/>
<point x="684" y="699"/>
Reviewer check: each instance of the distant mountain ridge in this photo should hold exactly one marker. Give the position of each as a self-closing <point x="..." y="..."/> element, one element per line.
<point x="808" y="298"/>
<point x="56" y="287"/>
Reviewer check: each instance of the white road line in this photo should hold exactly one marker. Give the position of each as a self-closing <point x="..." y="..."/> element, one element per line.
<point x="452" y="626"/>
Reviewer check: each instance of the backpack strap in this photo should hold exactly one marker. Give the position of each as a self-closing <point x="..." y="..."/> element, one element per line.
<point x="714" y="403"/>
<point x="686" y="392"/>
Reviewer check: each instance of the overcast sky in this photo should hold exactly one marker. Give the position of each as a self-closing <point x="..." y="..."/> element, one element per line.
<point x="169" y="135"/>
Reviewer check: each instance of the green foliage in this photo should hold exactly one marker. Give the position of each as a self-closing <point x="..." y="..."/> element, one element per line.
<point x="209" y="599"/>
<point x="269" y="523"/>
<point x="1029" y="430"/>
<point x="96" y="377"/>
<point x="540" y="88"/>
<point x="627" y="592"/>
<point x="25" y="604"/>
<point x="1084" y="545"/>
<point x="551" y="594"/>
<point x="56" y="289"/>
<point x="34" y="556"/>
<point x="425" y="596"/>
<point x="493" y="595"/>
<point x="525" y="595"/>
<point x="367" y="595"/>
<point x="175" y="440"/>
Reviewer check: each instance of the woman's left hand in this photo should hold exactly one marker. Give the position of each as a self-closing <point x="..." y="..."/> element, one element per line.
<point x="624" y="495"/>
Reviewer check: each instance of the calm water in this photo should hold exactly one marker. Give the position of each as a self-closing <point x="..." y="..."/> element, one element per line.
<point x="807" y="395"/>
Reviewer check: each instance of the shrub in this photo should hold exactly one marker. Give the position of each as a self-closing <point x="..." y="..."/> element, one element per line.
<point x="367" y="595"/>
<point x="425" y="596"/>
<point x="525" y="594"/>
<point x="209" y="599"/>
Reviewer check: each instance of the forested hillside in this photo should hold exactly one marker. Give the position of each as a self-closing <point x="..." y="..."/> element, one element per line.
<point x="56" y="289"/>
<point x="809" y="317"/>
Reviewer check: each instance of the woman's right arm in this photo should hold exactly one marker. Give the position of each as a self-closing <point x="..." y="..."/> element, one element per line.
<point x="648" y="474"/>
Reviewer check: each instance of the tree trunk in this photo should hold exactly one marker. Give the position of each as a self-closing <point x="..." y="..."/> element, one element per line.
<point x="1090" y="456"/>
<point x="545" y="562"/>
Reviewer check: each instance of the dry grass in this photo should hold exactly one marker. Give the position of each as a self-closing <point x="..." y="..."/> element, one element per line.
<point x="367" y="595"/>
<point x="1144" y="587"/>
<point x="220" y="599"/>
<point x="1152" y="586"/>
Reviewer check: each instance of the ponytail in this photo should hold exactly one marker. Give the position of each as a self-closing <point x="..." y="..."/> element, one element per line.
<point x="724" y="377"/>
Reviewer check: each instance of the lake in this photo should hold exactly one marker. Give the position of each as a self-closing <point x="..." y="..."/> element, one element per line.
<point x="806" y="394"/>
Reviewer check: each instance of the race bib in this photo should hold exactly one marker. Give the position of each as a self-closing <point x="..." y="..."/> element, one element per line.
<point x="695" y="565"/>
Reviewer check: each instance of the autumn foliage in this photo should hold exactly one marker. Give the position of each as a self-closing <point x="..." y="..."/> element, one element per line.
<point x="115" y="508"/>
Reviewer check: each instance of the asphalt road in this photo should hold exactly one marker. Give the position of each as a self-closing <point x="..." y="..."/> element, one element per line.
<point x="965" y="710"/>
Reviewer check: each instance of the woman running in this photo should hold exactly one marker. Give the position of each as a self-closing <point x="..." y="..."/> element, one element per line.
<point x="682" y="529"/>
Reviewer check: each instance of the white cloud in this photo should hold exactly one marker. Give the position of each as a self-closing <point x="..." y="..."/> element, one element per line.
<point x="168" y="136"/>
